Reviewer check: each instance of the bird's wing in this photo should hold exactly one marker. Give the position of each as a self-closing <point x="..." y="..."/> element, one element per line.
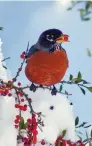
<point x="32" y="50"/>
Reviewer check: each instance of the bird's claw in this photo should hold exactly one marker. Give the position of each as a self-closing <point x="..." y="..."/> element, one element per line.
<point x="33" y="87"/>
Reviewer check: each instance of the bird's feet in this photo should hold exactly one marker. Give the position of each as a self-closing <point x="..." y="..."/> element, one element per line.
<point x="54" y="90"/>
<point x="33" y="87"/>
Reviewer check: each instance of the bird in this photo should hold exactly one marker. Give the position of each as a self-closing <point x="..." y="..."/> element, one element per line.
<point x="47" y="60"/>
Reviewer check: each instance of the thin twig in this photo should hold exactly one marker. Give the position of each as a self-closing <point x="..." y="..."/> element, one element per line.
<point x="18" y="72"/>
<point x="88" y="141"/>
<point x="5" y="59"/>
<point x="29" y="102"/>
<point x="69" y="82"/>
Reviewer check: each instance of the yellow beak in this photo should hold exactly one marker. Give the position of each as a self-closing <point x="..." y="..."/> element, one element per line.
<point x="62" y="38"/>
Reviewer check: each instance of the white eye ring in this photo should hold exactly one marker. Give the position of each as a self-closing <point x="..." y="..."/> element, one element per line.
<point x="51" y="40"/>
<point x="47" y="35"/>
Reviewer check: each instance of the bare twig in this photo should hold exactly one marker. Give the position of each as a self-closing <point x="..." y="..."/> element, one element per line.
<point x="5" y="59"/>
<point x="88" y="141"/>
<point x="70" y="82"/>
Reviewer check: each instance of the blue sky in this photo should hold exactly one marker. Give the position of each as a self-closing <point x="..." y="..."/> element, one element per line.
<point x="24" y="21"/>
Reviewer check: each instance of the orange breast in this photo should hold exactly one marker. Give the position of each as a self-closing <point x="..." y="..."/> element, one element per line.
<point x="47" y="68"/>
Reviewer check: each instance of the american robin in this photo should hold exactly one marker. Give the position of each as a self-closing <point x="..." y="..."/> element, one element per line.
<point x="47" y="61"/>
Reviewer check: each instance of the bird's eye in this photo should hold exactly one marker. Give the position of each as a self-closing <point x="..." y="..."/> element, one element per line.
<point x="50" y="38"/>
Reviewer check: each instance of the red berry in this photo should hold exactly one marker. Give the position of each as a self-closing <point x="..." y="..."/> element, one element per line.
<point x="74" y="144"/>
<point x="2" y="92"/>
<point x="24" y="108"/>
<point x="16" y="121"/>
<point x="20" y="69"/>
<point x="34" y="139"/>
<point x="35" y="132"/>
<point x="82" y="144"/>
<point x="33" y="120"/>
<point x="16" y="105"/>
<point x="79" y="141"/>
<point x="35" y="127"/>
<point x="25" y="105"/>
<point x="26" y="144"/>
<point x="29" y="121"/>
<point x="43" y="142"/>
<point x="20" y="94"/>
<point x="6" y="91"/>
<point x="22" y="56"/>
<point x="59" y="138"/>
<point x="9" y="82"/>
<point x="68" y="142"/>
<point x="25" y="140"/>
<point x="17" y="117"/>
<point x="10" y="94"/>
<point x="19" y="84"/>
<point x="66" y="38"/>
<point x="21" y="107"/>
<point x="22" y="100"/>
<point x="16" y="126"/>
<point x="64" y="143"/>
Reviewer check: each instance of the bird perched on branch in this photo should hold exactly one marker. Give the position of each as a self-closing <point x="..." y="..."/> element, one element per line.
<point x="47" y="61"/>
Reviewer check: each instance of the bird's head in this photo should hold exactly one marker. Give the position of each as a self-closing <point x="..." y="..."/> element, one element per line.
<point x="52" y="36"/>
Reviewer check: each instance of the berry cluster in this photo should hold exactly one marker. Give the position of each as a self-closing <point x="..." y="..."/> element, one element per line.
<point x="61" y="141"/>
<point x="21" y="107"/>
<point x="5" y="88"/>
<point x="17" y="120"/>
<point x="31" y="129"/>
